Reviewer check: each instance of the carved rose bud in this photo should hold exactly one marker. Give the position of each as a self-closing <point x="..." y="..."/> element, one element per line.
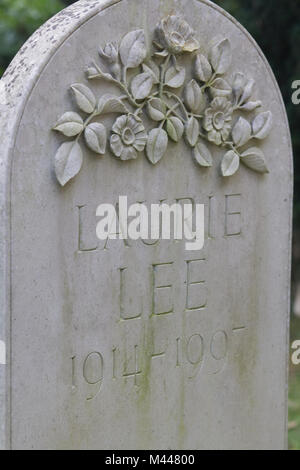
<point x="176" y="35"/>
<point x="109" y="53"/>
<point x="203" y="70"/>
<point x="217" y="120"/>
<point x="129" y="137"/>
<point x="193" y="97"/>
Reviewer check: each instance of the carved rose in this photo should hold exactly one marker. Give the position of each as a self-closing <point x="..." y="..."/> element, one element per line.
<point x="129" y="137"/>
<point x="176" y="35"/>
<point x="217" y="120"/>
<point x="109" y="53"/>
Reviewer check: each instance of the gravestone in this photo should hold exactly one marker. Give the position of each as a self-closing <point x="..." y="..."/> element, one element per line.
<point x="123" y="344"/>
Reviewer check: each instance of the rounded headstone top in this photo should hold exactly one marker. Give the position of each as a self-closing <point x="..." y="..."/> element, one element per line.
<point x="220" y="73"/>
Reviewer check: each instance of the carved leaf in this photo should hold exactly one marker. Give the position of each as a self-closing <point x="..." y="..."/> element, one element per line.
<point x="91" y="72"/>
<point x="133" y="49"/>
<point x="95" y="137"/>
<point x="68" y="161"/>
<point x="220" y="88"/>
<point x="161" y="54"/>
<point x="111" y="104"/>
<point x="175" y="76"/>
<point x="220" y="56"/>
<point x="248" y="91"/>
<point x="241" y="132"/>
<point x="141" y="86"/>
<point x="70" y="124"/>
<point x="156" y="109"/>
<point x="151" y="68"/>
<point x="230" y="163"/>
<point x="238" y="86"/>
<point x="251" y="105"/>
<point x="262" y="125"/>
<point x="175" y="128"/>
<point x="254" y="158"/>
<point x="84" y="97"/>
<point x="202" y="155"/>
<point x="192" y="131"/>
<point x="157" y="145"/>
<point x="193" y="97"/>
<point x="203" y="70"/>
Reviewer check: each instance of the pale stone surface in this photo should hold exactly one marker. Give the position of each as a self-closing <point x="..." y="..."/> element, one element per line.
<point x="211" y="373"/>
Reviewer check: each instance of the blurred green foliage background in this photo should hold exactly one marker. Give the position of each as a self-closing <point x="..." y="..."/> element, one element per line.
<point x="275" y="24"/>
<point x="18" y="20"/>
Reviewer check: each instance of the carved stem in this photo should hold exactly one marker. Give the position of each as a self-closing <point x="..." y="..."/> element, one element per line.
<point x="210" y="82"/>
<point x="231" y="146"/>
<point x="172" y="95"/>
<point x="163" y="70"/>
<point x="121" y="85"/>
<point x="86" y="123"/>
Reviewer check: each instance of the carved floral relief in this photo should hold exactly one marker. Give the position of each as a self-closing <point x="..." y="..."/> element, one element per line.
<point x="206" y="110"/>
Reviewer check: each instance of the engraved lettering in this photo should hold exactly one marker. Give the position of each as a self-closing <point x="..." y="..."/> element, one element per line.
<point x="162" y="301"/>
<point x="137" y="370"/>
<point x="130" y="301"/>
<point x="93" y="371"/>
<point x="233" y="215"/>
<point x="196" y="292"/>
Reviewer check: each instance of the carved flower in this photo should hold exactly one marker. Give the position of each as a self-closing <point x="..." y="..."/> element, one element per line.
<point x="128" y="138"/>
<point x="176" y="35"/>
<point x="109" y="53"/>
<point x="217" y="120"/>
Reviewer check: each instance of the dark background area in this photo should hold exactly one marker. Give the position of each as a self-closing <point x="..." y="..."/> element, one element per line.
<point x="275" y="25"/>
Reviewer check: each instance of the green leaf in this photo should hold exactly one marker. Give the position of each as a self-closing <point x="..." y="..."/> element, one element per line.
<point x="254" y="158"/>
<point x="96" y="136"/>
<point x="68" y="162"/>
<point x="70" y="124"/>
<point x="84" y="97"/>
<point x="230" y="163"/>
<point x="156" y="145"/>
